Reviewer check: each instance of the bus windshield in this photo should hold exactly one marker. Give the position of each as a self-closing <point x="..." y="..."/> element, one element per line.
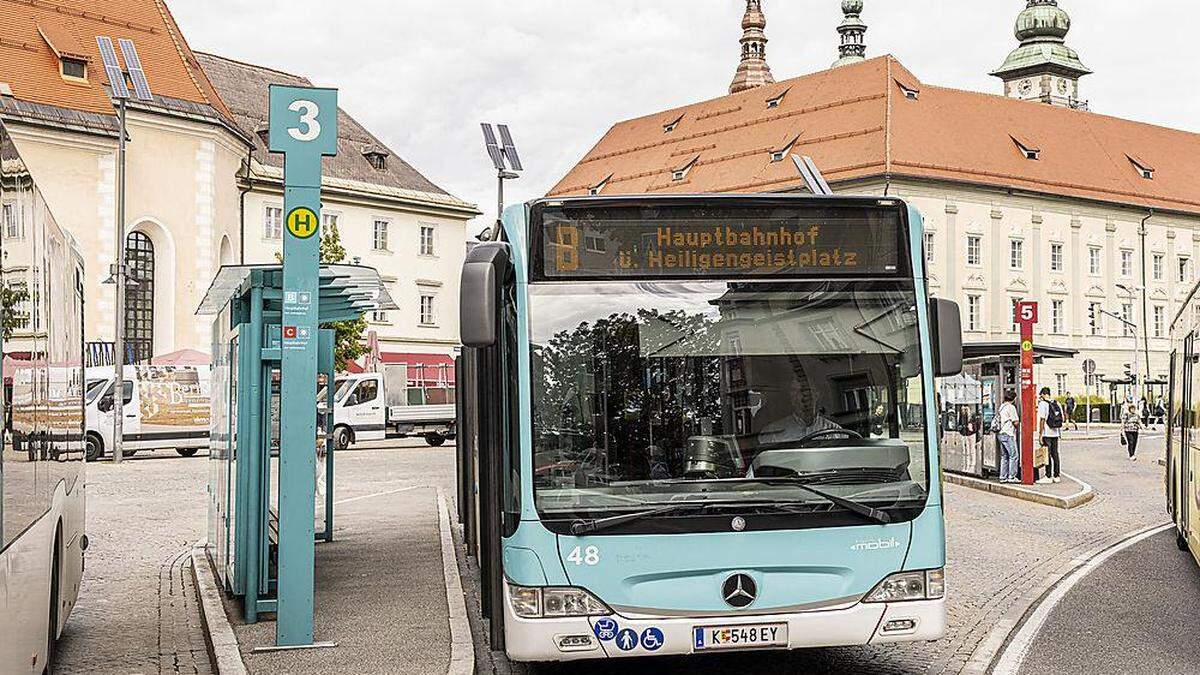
<point x="94" y="387"/>
<point x="648" y="393"/>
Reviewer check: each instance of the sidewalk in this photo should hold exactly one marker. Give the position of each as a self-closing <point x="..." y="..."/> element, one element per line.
<point x="380" y="585"/>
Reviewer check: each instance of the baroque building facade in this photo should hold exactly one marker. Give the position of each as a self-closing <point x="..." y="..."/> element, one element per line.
<point x="1026" y="196"/>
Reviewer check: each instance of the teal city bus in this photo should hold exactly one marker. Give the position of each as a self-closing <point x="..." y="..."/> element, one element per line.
<point x="692" y="424"/>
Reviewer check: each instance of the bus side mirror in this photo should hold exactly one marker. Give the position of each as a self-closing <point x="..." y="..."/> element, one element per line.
<point x="947" y="335"/>
<point x="479" y="309"/>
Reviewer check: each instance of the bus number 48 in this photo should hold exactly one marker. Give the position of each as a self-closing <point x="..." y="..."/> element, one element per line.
<point x="584" y="556"/>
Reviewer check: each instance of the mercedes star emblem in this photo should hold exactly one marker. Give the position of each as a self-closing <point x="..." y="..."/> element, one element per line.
<point x="738" y="524"/>
<point x="739" y="590"/>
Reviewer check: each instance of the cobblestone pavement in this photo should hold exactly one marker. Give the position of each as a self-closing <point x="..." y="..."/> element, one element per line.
<point x="999" y="550"/>
<point x="137" y="610"/>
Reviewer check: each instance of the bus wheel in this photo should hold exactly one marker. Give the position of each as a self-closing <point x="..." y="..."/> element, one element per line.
<point x="1181" y="541"/>
<point x="435" y="439"/>
<point x="187" y="452"/>
<point x="341" y="438"/>
<point x="94" y="448"/>
<point x="52" y="618"/>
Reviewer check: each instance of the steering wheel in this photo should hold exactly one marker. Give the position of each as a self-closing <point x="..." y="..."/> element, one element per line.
<point x="829" y="432"/>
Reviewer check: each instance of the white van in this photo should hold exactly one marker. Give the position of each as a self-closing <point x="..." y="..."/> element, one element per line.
<point x="374" y="406"/>
<point x="165" y="407"/>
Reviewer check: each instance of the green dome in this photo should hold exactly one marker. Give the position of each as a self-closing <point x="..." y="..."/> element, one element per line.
<point x="852" y="6"/>
<point x="1042" y="20"/>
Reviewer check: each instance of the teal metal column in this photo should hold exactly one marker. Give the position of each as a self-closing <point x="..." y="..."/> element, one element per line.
<point x="303" y="125"/>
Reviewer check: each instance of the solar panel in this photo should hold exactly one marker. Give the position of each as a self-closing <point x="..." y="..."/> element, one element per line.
<point x="489" y="137"/>
<point x="510" y="149"/>
<point x="140" y="86"/>
<point x="116" y="79"/>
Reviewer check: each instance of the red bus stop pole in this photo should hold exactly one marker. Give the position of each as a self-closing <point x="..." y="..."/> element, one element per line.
<point x="1027" y="316"/>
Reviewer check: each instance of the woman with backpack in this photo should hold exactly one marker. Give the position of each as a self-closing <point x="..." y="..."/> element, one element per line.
<point x="1131" y="425"/>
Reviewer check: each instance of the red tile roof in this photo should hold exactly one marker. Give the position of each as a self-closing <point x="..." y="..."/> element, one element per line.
<point x="29" y="64"/>
<point x="856" y="121"/>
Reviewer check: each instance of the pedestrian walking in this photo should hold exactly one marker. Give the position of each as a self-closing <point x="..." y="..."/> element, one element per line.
<point x="1049" y="428"/>
<point x="1008" y="422"/>
<point x="1144" y="411"/>
<point x="1131" y="424"/>
<point x="1070" y="405"/>
<point x="1160" y="413"/>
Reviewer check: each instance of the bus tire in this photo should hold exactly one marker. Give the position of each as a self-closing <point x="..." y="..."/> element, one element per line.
<point x="342" y="437"/>
<point x="435" y="439"/>
<point x="187" y="452"/>
<point x="1181" y="541"/>
<point x="52" y="614"/>
<point x="94" y="448"/>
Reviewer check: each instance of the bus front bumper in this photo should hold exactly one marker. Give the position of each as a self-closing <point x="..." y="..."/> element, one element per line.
<point x="568" y="639"/>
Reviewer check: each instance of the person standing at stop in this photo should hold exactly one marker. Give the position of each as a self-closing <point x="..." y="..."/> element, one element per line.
<point x="1008" y="420"/>
<point x="1049" y="428"/>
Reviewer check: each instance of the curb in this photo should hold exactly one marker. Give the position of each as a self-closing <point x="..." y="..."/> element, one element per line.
<point x="462" y="643"/>
<point x="1083" y="496"/>
<point x="987" y="654"/>
<point x="222" y="644"/>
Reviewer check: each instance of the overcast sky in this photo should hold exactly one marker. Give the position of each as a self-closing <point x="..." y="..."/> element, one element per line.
<point x="422" y="74"/>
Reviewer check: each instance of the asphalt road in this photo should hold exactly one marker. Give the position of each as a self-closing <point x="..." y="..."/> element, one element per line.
<point x="1136" y="613"/>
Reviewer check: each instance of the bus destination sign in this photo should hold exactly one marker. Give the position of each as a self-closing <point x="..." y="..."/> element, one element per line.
<point x="840" y="242"/>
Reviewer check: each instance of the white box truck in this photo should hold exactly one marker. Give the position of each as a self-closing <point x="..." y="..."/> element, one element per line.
<point x="164" y="407"/>
<point x="388" y="404"/>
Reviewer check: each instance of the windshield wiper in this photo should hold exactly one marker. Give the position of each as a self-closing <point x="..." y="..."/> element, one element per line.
<point x="589" y="525"/>
<point x="861" y="509"/>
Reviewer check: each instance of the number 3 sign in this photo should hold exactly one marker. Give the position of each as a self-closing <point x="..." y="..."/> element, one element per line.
<point x="303" y="120"/>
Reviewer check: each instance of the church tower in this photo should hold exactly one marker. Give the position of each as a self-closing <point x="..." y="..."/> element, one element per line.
<point x="753" y="71"/>
<point x="853" y="31"/>
<point x="1043" y="68"/>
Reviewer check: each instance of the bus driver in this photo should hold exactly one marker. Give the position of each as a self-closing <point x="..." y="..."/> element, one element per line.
<point x="803" y="418"/>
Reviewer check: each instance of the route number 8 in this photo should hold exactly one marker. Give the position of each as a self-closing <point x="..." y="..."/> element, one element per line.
<point x="308" y="120"/>
<point x="587" y="556"/>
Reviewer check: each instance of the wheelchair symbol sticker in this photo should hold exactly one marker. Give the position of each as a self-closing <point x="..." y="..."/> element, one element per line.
<point x="652" y="639"/>
<point x="606" y="629"/>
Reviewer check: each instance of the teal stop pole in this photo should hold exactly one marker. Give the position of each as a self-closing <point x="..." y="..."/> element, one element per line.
<point x="303" y="126"/>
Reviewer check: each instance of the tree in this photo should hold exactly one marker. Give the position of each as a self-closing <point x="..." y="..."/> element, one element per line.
<point x="347" y="335"/>
<point x="11" y="317"/>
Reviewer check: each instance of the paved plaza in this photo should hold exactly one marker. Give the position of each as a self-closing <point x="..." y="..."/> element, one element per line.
<point x="380" y="593"/>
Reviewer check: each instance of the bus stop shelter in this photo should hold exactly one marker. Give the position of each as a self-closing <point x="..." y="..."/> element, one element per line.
<point x="244" y="482"/>
<point x="968" y="402"/>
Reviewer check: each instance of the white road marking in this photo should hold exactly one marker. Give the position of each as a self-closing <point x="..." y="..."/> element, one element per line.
<point x="380" y="494"/>
<point x="1084" y="490"/>
<point x="1014" y="653"/>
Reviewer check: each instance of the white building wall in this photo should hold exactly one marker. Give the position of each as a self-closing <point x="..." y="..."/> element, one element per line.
<point x="954" y="212"/>
<point x="407" y="273"/>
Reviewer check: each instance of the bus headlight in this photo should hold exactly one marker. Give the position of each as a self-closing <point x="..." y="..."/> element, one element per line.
<point x="904" y="586"/>
<point x="556" y="601"/>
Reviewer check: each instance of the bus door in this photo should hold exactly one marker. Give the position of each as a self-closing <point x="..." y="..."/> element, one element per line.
<point x="1185" y="442"/>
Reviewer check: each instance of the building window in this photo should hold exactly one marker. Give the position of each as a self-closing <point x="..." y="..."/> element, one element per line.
<point x="273" y="222"/>
<point x="329" y="221"/>
<point x="975" y="312"/>
<point x="427" y="316"/>
<point x="1157" y="266"/>
<point x="1094" y="260"/>
<point x="1096" y="316"/>
<point x="139" y="297"/>
<point x="74" y="69"/>
<point x="426" y="240"/>
<point x="594" y="243"/>
<point x="1056" y="317"/>
<point x="1160" y="320"/>
<point x="10" y="215"/>
<point x="1126" y="262"/>
<point x="1185" y="269"/>
<point x="929" y="250"/>
<point x="18" y="291"/>
<point x="974" y="250"/>
<point x="1056" y="257"/>
<point x="1127" y="315"/>
<point x="1060" y="383"/>
<point x="1016" y="327"/>
<point x="1016" y="254"/>
<point x="379" y="316"/>
<point x="380" y="241"/>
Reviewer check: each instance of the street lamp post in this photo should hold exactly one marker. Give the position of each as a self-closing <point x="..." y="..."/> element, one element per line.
<point x="1132" y="293"/>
